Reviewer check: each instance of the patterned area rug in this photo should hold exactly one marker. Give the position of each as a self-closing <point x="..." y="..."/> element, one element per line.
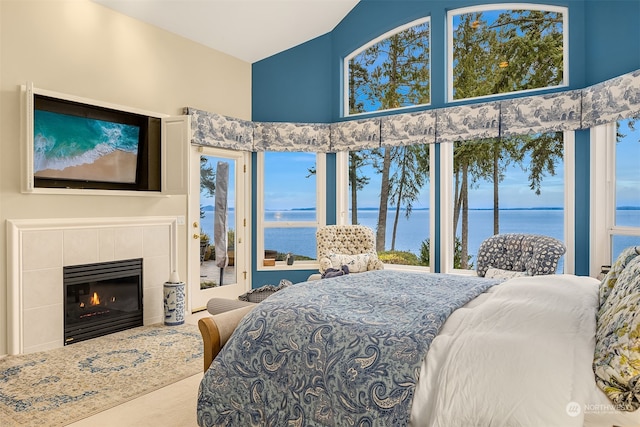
<point x="61" y="386"/>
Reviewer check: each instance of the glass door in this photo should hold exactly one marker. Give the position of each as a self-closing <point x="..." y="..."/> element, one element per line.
<point x="218" y="177"/>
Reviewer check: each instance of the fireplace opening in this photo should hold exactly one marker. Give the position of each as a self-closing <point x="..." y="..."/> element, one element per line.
<point x="101" y="299"/>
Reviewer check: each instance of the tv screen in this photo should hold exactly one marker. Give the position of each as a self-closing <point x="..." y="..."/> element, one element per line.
<point x="84" y="149"/>
<point x="77" y="145"/>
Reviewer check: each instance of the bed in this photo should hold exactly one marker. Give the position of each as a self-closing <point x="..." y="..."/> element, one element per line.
<point x="387" y="348"/>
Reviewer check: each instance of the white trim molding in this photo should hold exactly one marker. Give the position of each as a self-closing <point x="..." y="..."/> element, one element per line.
<point x="38" y="249"/>
<point x="602" y="195"/>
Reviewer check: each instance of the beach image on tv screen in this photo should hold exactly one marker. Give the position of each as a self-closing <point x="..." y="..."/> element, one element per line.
<point x="84" y="149"/>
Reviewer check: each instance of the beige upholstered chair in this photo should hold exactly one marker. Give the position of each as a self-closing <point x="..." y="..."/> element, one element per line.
<point x="350" y="245"/>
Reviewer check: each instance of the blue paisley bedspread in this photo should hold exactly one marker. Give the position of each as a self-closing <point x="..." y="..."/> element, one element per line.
<point x="344" y="351"/>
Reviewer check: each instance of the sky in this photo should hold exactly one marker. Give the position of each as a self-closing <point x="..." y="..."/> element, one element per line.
<point x="514" y="191"/>
<point x="628" y="166"/>
<point x="287" y="186"/>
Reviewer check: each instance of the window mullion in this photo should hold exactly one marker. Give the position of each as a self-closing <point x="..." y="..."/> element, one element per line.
<point x="342" y="188"/>
<point x="602" y="139"/>
<point x="447" y="233"/>
<point x="569" y="200"/>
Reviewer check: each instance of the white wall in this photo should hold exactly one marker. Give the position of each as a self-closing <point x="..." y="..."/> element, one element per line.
<point x="83" y="49"/>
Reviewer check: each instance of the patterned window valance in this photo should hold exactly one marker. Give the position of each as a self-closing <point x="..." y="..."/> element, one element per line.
<point x="611" y="100"/>
<point x="477" y="121"/>
<point x="545" y="113"/>
<point x="355" y="135"/>
<point x="291" y="137"/>
<point x="216" y="130"/>
<point x="409" y="129"/>
<point x="605" y="102"/>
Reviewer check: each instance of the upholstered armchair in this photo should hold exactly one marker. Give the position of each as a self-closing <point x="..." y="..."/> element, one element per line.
<point x="528" y="254"/>
<point x="350" y="245"/>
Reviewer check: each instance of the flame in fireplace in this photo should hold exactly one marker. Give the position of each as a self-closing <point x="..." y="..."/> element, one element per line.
<point x="95" y="299"/>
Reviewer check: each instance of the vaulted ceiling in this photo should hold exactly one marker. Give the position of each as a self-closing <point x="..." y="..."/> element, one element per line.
<point x="250" y="30"/>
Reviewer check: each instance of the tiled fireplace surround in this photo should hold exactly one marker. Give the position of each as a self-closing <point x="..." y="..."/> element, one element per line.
<point x="39" y="249"/>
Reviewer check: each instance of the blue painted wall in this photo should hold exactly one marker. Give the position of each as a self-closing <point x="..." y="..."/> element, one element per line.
<point x="302" y="91"/>
<point x="611" y="39"/>
<point x="304" y="84"/>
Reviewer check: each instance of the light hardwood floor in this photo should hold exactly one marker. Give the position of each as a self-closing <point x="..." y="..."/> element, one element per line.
<point x="171" y="406"/>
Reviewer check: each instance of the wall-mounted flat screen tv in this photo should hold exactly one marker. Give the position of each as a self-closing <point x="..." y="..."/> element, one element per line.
<point x="77" y="145"/>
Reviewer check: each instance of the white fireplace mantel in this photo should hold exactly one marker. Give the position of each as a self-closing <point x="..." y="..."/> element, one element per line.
<point x="38" y="249"/>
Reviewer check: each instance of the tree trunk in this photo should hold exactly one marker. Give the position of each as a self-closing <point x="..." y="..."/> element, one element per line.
<point x="384" y="201"/>
<point x="395" y="226"/>
<point x="496" y="179"/>
<point x="456" y="202"/>
<point x="353" y="179"/>
<point x="464" y="195"/>
<point x="401" y="156"/>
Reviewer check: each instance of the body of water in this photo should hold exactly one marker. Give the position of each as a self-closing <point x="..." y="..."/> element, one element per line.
<point x="412" y="231"/>
<point x="62" y="140"/>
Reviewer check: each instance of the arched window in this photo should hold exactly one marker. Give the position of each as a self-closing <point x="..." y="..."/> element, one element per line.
<point x="506" y="48"/>
<point x="392" y="71"/>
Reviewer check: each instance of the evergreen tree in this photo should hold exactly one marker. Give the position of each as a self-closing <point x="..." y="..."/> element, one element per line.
<point x="521" y="49"/>
<point x="390" y="74"/>
<point x="385" y="191"/>
<point x="357" y="180"/>
<point x="358" y="78"/>
<point x="409" y="178"/>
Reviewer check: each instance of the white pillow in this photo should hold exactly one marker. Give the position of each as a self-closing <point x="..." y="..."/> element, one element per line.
<point x="497" y="273"/>
<point x="356" y="263"/>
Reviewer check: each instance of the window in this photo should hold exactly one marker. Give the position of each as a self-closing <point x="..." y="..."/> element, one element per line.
<point x="390" y="72"/>
<point x="209" y="165"/>
<point x="508" y="185"/>
<point x="615" y="215"/>
<point x="389" y="192"/>
<point x="497" y="49"/>
<point x="291" y="205"/>
<point x="626" y="231"/>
